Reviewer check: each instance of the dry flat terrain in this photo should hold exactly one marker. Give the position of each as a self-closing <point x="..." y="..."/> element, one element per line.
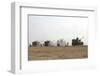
<point x="51" y="53"/>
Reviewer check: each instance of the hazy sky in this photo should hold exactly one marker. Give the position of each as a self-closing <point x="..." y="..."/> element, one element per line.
<point x="43" y="28"/>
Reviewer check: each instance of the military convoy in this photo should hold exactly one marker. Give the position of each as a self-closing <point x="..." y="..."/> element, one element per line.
<point x="61" y="42"/>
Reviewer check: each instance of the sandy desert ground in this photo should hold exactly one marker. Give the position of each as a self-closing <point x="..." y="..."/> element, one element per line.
<point x="52" y="53"/>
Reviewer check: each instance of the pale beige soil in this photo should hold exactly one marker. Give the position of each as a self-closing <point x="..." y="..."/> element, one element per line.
<point x="52" y="53"/>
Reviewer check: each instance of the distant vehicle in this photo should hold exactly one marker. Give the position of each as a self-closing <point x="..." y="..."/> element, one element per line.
<point x="50" y="43"/>
<point x="46" y="43"/>
<point x="35" y="43"/>
<point x="77" y="42"/>
<point x="61" y="42"/>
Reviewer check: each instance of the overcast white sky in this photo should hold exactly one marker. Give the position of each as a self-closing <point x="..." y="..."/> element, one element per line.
<point x="43" y="28"/>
